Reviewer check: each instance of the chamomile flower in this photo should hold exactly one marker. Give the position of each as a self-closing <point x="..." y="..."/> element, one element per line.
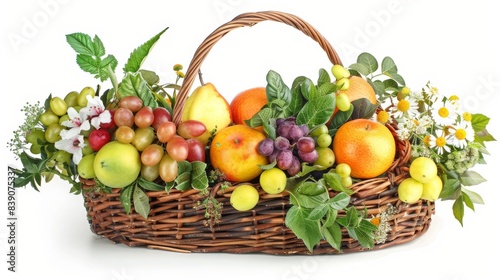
<point x="461" y="133"/>
<point x="407" y="107"/>
<point x="444" y="113"/>
<point x="440" y="141"/>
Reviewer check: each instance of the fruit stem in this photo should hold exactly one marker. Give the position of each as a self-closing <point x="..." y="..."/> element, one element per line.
<point x="200" y="76"/>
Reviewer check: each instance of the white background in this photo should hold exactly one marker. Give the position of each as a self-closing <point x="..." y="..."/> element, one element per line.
<point x="452" y="44"/>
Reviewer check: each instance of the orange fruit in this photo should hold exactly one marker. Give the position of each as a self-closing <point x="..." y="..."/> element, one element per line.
<point x="247" y="103"/>
<point x="234" y="152"/>
<point x="367" y="146"/>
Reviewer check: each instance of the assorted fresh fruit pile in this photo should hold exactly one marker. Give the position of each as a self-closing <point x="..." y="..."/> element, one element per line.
<point x="307" y="141"/>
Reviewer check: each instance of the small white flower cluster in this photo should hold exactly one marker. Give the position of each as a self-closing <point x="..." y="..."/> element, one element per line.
<point x="72" y="140"/>
<point x="435" y="124"/>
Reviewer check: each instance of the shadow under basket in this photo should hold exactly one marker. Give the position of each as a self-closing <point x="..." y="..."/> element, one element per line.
<point x="180" y="222"/>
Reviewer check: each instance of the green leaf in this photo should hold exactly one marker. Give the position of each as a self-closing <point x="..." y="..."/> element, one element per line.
<point x="360" y="68"/>
<point x="341" y="117"/>
<point x="199" y="178"/>
<point x="473" y="196"/>
<point x="398" y="78"/>
<point x="99" y="49"/>
<point x="479" y="122"/>
<point x="331" y="217"/>
<point x="141" y="203"/>
<point x="379" y="88"/>
<point x="133" y="84"/>
<point x="324" y="77"/>
<point x="333" y="235"/>
<point x="471" y="178"/>
<point x="88" y="63"/>
<point x="310" y="188"/>
<point x="308" y="89"/>
<point x="150" y="186"/>
<point x="297" y="100"/>
<point x="307" y="200"/>
<point x="104" y="72"/>
<point x="276" y="88"/>
<point x="363" y="109"/>
<point x="150" y="77"/>
<point x="388" y="66"/>
<point x="369" y="61"/>
<point x="126" y="196"/>
<point x="451" y="188"/>
<point x="183" y="179"/>
<point x="334" y="181"/>
<point x="339" y="201"/>
<point x="306" y="230"/>
<point x="317" y="111"/>
<point x="351" y="219"/>
<point x="327" y="88"/>
<point x="468" y="201"/>
<point x="458" y="209"/>
<point x="263" y="116"/>
<point x="139" y="54"/>
<point x="318" y="212"/>
<point x="81" y="43"/>
<point x="364" y="238"/>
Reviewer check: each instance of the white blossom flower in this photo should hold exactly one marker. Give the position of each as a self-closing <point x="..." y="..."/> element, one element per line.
<point x="77" y="122"/>
<point x="439" y="141"/>
<point x="73" y="145"/>
<point x="461" y="133"/>
<point x="96" y="111"/>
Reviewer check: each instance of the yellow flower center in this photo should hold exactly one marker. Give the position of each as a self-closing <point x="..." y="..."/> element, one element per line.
<point x="467" y="116"/>
<point x="454" y="98"/>
<point x="443" y="112"/>
<point x="405" y="91"/>
<point x="403" y="105"/>
<point x="427" y="140"/>
<point x="460" y="134"/>
<point x="383" y="117"/>
<point x="440" y="141"/>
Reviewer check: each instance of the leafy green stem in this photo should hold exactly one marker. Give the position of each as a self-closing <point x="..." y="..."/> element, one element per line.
<point x="112" y="77"/>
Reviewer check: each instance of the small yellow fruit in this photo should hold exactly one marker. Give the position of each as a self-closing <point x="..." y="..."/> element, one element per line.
<point x="244" y="197"/>
<point x="273" y="181"/>
<point x="410" y="190"/>
<point x="423" y="169"/>
<point x="432" y="189"/>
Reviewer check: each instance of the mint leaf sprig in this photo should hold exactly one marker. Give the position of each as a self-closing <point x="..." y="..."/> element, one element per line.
<point x="90" y="57"/>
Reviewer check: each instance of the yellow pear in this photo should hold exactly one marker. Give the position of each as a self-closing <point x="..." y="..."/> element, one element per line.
<point x="432" y="189"/>
<point x="207" y="105"/>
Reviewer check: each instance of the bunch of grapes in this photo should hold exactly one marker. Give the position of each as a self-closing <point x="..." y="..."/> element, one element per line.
<point x="293" y="146"/>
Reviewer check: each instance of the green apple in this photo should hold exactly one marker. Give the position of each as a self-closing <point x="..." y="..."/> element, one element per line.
<point x="117" y="165"/>
<point x="86" y="167"/>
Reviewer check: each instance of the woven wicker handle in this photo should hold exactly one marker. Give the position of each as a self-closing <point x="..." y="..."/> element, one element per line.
<point x="247" y="19"/>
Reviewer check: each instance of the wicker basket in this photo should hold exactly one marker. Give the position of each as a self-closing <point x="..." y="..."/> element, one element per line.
<point x="178" y="223"/>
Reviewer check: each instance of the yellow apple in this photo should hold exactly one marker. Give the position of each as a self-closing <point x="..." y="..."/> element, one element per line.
<point x="117" y="165"/>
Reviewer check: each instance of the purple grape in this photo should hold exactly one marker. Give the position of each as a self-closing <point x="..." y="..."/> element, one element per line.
<point x="266" y="147"/>
<point x="306" y="144"/>
<point x="284" y="159"/>
<point x="309" y="157"/>
<point x="294" y="169"/>
<point x="305" y="129"/>
<point x="284" y="129"/>
<point x="272" y="157"/>
<point x="281" y="143"/>
<point x="279" y="121"/>
<point x="295" y="133"/>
